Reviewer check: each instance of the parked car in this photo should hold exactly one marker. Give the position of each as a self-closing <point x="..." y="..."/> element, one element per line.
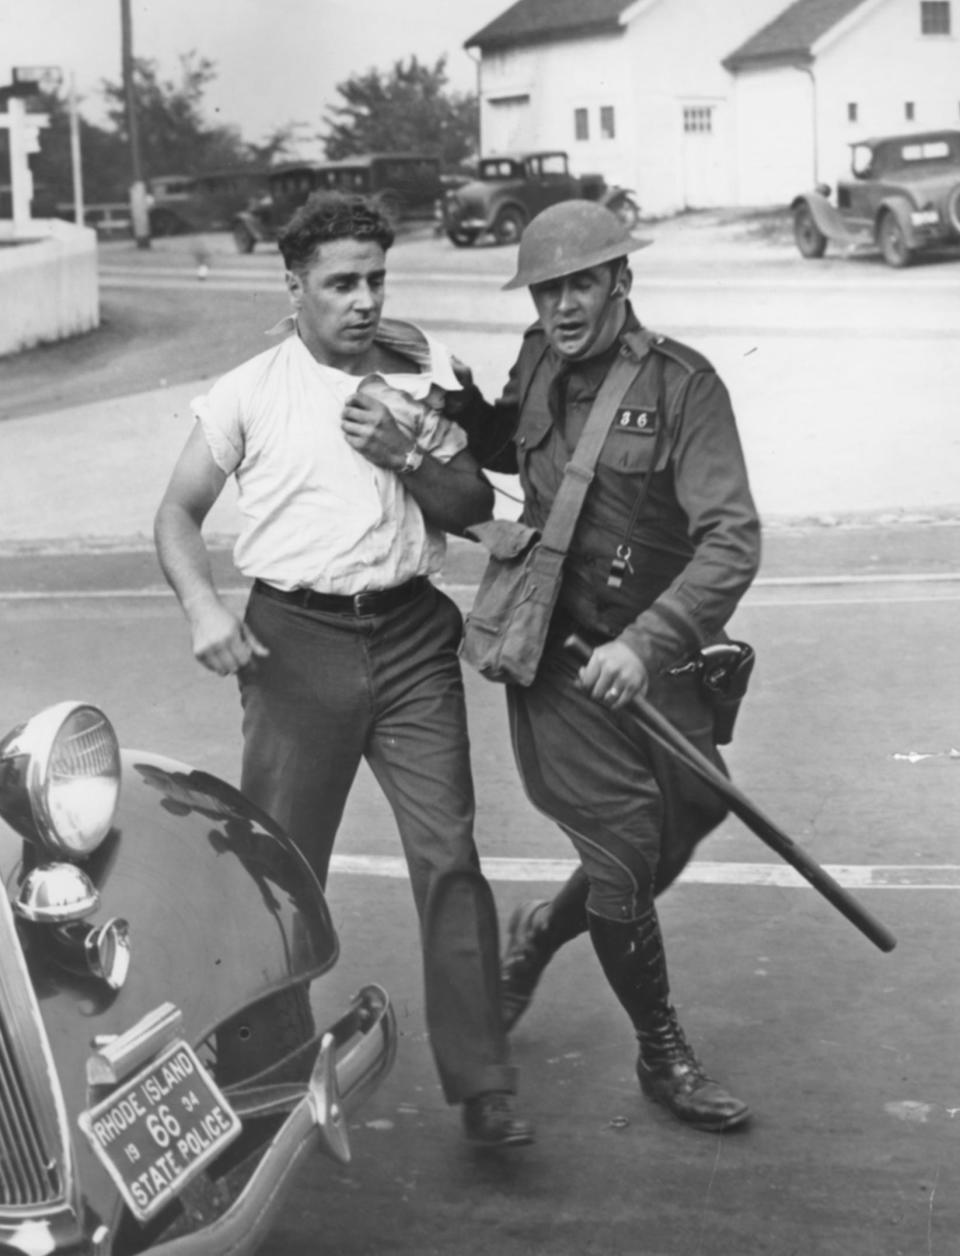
<point x="161" y="1078"/>
<point x="406" y="185"/>
<point x="903" y="197"/>
<point x="203" y="202"/>
<point x="509" y="190"/>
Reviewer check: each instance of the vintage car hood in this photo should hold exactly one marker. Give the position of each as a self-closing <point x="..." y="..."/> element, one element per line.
<point x="221" y="910"/>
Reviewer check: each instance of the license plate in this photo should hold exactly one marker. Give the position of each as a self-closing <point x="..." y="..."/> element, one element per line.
<point x="159" y="1128"/>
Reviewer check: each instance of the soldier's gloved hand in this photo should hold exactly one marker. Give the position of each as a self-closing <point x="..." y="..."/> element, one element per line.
<point x="613" y="675"/>
<point x="463" y="372"/>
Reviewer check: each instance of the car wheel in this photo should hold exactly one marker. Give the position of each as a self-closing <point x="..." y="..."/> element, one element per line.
<point x="508" y="226"/>
<point x="953" y="209"/>
<point x="893" y="242"/>
<point x="243" y="238"/>
<point x="462" y="239"/>
<point x="627" y="210"/>
<point x="809" y="239"/>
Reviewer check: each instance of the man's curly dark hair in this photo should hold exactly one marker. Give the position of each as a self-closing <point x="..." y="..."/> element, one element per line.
<point x="327" y="216"/>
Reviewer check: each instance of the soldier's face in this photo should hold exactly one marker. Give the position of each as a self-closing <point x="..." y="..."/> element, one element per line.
<point x="338" y="299"/>
<point x="581" y="314"/>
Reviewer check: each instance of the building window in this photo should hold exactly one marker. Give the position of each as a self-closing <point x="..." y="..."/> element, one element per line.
<point x="698" y="118"/>
<point x="909" y="112"/>
<point x="608" y="125"/>
<point x="581" y="124"/>
<point x="935" y="17"/>
<point x="852" y="111"/>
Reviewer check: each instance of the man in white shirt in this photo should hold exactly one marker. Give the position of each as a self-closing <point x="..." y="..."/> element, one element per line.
<point x="348" y="477"/>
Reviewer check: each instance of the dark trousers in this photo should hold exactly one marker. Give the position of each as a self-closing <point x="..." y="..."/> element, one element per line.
<point x="336" y="688"/>
<point x="632" y="812"/>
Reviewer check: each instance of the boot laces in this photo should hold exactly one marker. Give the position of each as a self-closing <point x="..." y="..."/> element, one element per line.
<point x="665" y="1043"/>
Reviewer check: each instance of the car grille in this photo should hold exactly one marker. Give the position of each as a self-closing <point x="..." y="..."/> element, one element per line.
<point x="32" y="1142"/>
<point x="28" y="1172"/>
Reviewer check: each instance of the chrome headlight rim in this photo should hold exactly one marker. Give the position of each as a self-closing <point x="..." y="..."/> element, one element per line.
<point x="38" y="741"/>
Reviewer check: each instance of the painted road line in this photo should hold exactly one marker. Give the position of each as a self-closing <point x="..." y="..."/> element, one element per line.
<point x="699" y="872"/>
<point x="652" y="280"/>
<point x="690" y="331"/>
<point x="765" y="592"/>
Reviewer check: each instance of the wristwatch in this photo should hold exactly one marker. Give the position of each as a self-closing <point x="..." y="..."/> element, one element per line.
<point x="412" y="462"/>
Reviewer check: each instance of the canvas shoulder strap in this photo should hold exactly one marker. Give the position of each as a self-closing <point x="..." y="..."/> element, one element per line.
<point x="579" y="471"/>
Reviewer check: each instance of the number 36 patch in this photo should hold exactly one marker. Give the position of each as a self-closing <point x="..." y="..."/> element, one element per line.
<point x="633" y="419"/>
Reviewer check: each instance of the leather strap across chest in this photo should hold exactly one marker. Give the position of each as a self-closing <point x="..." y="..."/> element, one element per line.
<point x="579" y="471"/>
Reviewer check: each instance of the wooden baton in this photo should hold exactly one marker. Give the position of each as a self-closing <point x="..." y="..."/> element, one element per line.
<point x="660" y="728"/>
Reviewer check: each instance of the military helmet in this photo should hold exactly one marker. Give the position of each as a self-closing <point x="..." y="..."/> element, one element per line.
<point x="571" y="236"/>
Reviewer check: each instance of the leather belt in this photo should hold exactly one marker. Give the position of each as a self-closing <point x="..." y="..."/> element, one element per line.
<point x="373" y="602"/>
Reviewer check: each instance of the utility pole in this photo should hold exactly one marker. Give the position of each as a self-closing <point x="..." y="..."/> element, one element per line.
<point x="76" y="161"/>
<point x="138" y="192"/>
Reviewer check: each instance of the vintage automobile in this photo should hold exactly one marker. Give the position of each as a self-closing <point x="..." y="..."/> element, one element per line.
<point x="161" y="1077"/>
<point x="903" y="197"/>
<point x="180" y="204"/>
<point x="406" y="185"/>
<point x="509" y="190"/>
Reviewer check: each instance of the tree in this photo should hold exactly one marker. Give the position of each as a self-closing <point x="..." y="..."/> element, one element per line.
<point x="174" y="136"/>
<point x="280" y="144"/>
<point x="406" y="109"/>
<point x="106" y="162"/>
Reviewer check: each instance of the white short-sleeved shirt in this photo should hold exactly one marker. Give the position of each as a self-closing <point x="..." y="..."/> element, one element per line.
<point x="315" y="513"/>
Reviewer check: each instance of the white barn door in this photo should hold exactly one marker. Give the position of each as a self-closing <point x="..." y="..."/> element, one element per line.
<point x="507" y="125"/>
<point x="704" y="183"/>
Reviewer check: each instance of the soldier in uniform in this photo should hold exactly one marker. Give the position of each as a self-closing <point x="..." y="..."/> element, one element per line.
<point x="666" y="544"/>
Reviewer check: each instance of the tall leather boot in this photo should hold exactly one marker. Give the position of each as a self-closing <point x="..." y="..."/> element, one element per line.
<point x="632" y="957"/>
<point x="536" y="931"/>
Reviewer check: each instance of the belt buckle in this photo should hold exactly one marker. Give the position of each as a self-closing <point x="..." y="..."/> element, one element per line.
<point x="360" y="600"/>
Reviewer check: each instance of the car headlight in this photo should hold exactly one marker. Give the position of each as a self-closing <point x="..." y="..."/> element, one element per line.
<point x="71" y="775"/>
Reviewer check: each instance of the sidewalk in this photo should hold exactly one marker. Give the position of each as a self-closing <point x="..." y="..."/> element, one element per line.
<point x="103" y="467"/>
<point x="86" y="479"/>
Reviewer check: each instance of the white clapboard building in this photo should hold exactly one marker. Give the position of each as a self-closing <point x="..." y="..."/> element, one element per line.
<point x="697" y="103"/>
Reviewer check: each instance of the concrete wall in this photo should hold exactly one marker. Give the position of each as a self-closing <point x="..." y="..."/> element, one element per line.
<point x="48" y="284"/>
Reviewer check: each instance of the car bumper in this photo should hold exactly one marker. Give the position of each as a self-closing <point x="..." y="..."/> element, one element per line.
<point x="355" y="1054"/>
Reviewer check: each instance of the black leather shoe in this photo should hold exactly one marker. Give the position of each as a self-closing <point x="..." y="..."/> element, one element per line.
<point x="490" y="1120"/>
<point x="670" y="1073"/>
<point x="524" y="960"/>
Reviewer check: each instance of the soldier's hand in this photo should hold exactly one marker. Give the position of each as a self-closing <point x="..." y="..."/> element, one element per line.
<point x="371" y="430"/>
<point x="221" y="641"/>
<point x="614" y="675"/>
<point x="463" y="372"/>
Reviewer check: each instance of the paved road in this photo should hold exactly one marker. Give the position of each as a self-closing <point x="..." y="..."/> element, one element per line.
<point x="850" y="740"/>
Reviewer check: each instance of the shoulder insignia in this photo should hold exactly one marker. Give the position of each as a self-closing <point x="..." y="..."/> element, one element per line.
<point x="682" y="354"/>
